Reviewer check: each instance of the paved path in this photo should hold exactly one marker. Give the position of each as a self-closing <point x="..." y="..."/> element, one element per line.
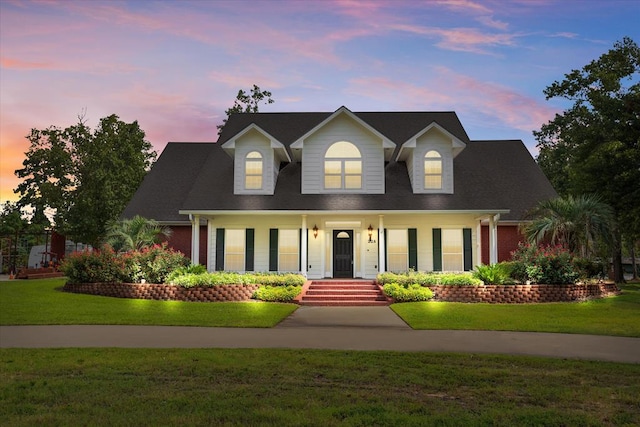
<point x="339" y="328"/>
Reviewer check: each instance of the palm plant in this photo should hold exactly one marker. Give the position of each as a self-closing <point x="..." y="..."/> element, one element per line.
<point x="577" y="223"/>
<point x="135" y="233"/>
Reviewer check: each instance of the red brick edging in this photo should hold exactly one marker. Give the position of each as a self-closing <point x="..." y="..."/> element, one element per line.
<point x="165" y="292"/>
<point x="499" y="294"/>
<point x="518" y="294"/>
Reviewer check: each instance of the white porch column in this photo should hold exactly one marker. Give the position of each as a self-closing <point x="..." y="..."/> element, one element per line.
<point x="303" y="246"/>
<point x="195" y="239"/>
<point x="381" y="261"/>
<point x="211" y="249"/>
<point x="493" y="238"/>
<point x="478" y="253"/>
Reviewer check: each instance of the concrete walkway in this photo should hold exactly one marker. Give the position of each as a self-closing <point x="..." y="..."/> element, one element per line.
<point x="337" y="328"/>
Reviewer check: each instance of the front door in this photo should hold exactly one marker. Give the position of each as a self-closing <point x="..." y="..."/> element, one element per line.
<point x="343" y="253"/>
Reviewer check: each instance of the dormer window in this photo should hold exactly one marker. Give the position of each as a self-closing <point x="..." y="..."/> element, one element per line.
<point x="432" y="170"/>
<point x="343" y="167"/>
<point x="253" y="171"/>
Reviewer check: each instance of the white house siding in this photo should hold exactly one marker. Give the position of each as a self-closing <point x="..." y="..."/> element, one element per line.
<point x="432" y="140"/>
<point x="254" y="141"/>
<point x="343" y="128"/>
<point x="320" y="250"/>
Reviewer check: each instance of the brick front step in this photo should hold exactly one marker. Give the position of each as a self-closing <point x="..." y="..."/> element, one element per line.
<point x="351" y="303"/>
<point x="314" y="291"/>
<point x="344" y="293"/>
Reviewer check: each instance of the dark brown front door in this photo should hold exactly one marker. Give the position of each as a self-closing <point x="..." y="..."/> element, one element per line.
<point x="343" y="253"/>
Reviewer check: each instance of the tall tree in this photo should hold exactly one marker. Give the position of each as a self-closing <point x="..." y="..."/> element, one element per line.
<point x="86" y="177"/>
<point x="247" y="103"/>
<point x="594" y="146"/>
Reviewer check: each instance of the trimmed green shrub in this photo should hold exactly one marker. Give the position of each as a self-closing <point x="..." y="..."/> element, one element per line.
<point x="97" y="266"/>
<point x="493" y="274"/>
<point x="277" y="293"/>
<point x="427" y="279"/>
<point x="220" y="278"/>
<point x="410" y="293"/>
<point x="191" y="269"/>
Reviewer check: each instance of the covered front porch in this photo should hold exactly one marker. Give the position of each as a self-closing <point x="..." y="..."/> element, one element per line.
<point x="343" y="244"/>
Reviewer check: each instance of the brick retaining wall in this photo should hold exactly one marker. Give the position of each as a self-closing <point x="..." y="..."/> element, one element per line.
<point x="518" y="294"/>
<point x="165" y="292"/>
<point x="511" y="294"/>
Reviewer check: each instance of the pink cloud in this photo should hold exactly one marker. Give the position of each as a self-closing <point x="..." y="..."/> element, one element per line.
<point x="19" y="64"/>
<point x="464" y="6"/>
<point x="496" y="103"/>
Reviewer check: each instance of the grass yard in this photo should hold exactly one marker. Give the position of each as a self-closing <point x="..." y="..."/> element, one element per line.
<point x="619" y="315"/>
<point x="309" y="388"/>
<point x="39" y="302"/>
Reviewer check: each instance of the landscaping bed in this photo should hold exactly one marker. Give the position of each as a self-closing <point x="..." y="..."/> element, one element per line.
<point x="521" y="294"/>
<point x="165" y="292"/>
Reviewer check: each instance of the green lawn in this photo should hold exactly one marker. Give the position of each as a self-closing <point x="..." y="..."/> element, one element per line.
<point x="619" y="315"/>
<point x="276" y="387"/>
<point x="40" y="302"/>
<point x="309" y="388"/>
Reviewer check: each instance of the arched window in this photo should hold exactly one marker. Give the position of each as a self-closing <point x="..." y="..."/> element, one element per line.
<point x="343" y="167"/>
<point x="432" y="171"/>
<point x="253" y="171"/>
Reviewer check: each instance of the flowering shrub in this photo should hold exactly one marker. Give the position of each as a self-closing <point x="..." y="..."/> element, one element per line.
<point x="97" y="266"/>
<point x="407" y="293"/>
<point x="153" y="264"/>
<point x="550" y="265"/>
<point x="106" y="266"/>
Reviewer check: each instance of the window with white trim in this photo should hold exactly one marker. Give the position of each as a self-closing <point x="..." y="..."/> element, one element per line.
<point x="288" y="247"/>
<point x="343" y="167"/>
<point x="397" y="250"/>
<point x="253" y="171"/>
<point x="234" y="250"/>
<point x="432" y="170"/>
<point x="452" y="250"/>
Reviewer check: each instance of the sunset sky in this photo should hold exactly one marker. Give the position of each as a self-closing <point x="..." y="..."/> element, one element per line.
<point x="175" y="66"/>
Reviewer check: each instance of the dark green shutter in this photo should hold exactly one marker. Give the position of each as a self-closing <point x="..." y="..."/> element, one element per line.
<point x="219" y="249"/>
<point x="413" y="249"/>
<point x="437" y="249"/>
<point x="248" y="249"/>
<point x="466" y="247"/>
<point x="300" y="249"/>
<point x="273" y="249"/>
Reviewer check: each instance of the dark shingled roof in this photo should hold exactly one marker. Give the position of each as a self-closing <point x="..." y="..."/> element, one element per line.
<point x="488" y="175"/>
<point x="166" y="186"/>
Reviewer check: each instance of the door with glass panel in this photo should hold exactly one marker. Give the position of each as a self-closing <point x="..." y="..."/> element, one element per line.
<point x="343" y="253"/>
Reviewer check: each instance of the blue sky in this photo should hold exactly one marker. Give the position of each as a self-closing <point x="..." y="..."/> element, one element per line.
<point x="175" y="66"/>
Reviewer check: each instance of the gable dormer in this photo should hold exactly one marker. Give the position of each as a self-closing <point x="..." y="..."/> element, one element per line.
<point x="343" y="154"/>
<point x="429" y="158"/>
<point x="256" y="160"/>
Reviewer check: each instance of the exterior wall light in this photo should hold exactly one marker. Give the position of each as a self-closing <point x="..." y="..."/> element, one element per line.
<point x="315" y="231"/>
<point x="370" y="230"/>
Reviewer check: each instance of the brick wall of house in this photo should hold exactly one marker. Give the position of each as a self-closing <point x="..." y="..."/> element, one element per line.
<point x="180" y="240"/>
<point x="508" y="239"/>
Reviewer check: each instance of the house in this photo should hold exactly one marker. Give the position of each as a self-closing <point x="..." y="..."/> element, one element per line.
<point x="343" y="194"/>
